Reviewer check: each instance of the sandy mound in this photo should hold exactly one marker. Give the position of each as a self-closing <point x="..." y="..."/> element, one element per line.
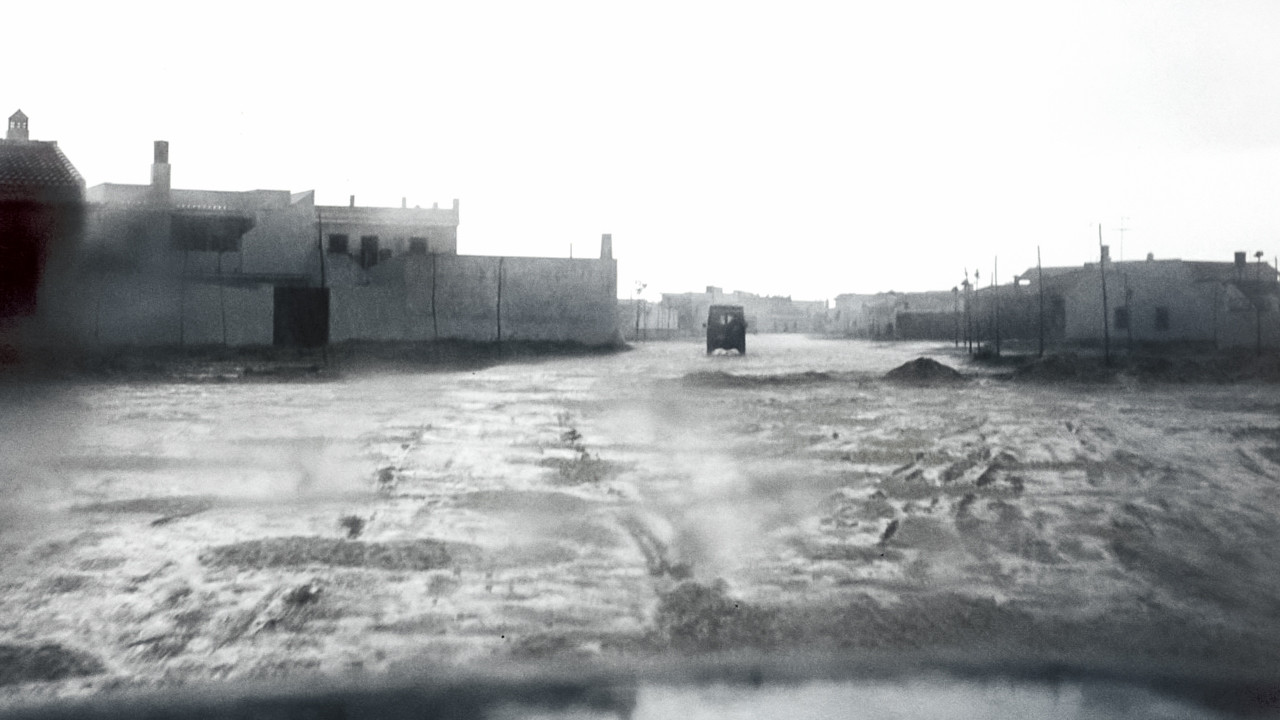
<point x="1066" y="367"/>
<point x="300" y="551"/>
<point x="727" y="380"/>
<point x="923" y="370"/>
<point x="1265" y="368"/>
<point x="43" y="663"/>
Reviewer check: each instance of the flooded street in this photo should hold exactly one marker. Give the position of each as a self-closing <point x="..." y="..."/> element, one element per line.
<point x="650" y="502"/>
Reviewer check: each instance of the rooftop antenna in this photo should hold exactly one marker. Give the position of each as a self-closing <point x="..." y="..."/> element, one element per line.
<point x="1122" y="230"/>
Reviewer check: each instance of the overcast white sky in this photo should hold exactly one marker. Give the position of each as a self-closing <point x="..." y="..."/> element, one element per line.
<point x="802" y="149"/>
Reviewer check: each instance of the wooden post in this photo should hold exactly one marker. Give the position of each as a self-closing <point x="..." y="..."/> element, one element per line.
<point x="500" y="261"/>
<point x="968" y="313"/>
<point x="955" y="314"/>
<point x="324" y="349"/>
<point x="97" y="312"/>
<point x="222" y="300"/>
<point x="182" y="303"/>
<point x="977" y="316"/>
<point x="1040" y="275"/>
<point x="435" y="325"/>
<point x="1128" y="324"/>
<point x="995" y="288"/>
<point x="1106" y="326"/>
<point x="1258" y="299"/>
<point x="319" y="243"/>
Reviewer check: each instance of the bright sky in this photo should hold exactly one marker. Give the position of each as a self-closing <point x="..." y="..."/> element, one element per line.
<point x="803" y="149"/>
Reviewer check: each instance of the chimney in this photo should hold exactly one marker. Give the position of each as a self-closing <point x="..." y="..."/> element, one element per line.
<point x="1241" y="259"/>
<point x="160" y="169"/>
<point x="1151" y="257"/>
<point x="1106" y="253"/>
<point x="353" y="201"/>
<point x="404" y="203"/>
<point x="17" y="127"/>
<point x="606" y="246"/>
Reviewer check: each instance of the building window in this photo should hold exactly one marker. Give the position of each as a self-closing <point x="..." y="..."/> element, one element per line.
<point x="417" y="246"/>
<point x="1162" y="318"/>
<point x="368" y="251"/>
<point x="208" y="233"/>
<point x="338" y="244"/>
<point x="1122" y="318"/>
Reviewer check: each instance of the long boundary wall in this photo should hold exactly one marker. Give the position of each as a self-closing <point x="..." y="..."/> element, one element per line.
<point x="122" y="310"/>
<point x="469" y="297"/>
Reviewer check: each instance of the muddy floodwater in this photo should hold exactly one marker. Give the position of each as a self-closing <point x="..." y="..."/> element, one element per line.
<point x="649" y="503"/>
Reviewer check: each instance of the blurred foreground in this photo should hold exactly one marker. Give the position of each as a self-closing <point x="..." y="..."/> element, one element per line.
<point x="655" y="504"/>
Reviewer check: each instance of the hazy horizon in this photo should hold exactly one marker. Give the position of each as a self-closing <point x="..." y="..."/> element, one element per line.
<point x="805" y="150"/>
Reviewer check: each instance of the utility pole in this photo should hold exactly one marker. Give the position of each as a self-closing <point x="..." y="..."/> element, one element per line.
<point x="977" y="316"/>
<point x="1258" y="298"/>
<point x="182" y="303"/>
<point x="1128" y="315"/>
<point x="1040" y="280"/>
<point x="324" y="291"/>
<point x="995" y="288"/>
<point x="1106" y="327"/>
<point x="955" y="312"/>
<point x="639" y="290"/>
<point x="222" y="298"/>
<point x="968" y="314"/>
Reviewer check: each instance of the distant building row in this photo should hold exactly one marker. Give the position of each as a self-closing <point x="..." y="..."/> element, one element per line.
<point x="155" y="265"/>
<point x="1223" y="304"/>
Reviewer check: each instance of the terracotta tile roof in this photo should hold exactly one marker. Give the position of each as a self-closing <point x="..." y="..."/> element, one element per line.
<point x="33" y="170"/>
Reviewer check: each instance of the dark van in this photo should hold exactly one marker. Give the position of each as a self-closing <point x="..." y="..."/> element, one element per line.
<point x="727" y="329"/>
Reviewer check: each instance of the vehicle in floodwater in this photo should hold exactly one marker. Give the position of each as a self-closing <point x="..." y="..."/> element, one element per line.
<point x="726" y="329"/>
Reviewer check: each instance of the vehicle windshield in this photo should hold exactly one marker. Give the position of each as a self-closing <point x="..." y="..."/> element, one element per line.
<point x="640" y="360"/>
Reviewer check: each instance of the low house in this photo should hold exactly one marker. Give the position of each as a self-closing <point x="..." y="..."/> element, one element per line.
<point x="764" y="314"/>
<point x="369" y="235"/>
<point x="1174" y="301"/>
<point x="41" y="213"/>
<point x="897" y="316"/>
<point x="167" y="266"/>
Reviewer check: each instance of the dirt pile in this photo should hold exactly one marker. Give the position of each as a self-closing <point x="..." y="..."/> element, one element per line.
<point x="923" y="370"/>
<point x="1265" y="368"/>
<point x="1172" y="368"/>
<point x="698" y="617"/>
<point x="1064" y="367"/>
<point x="168" y="508"/>
<point x="301" y="551"/>
<point x="44" y="663"/>
<point x="729" y="380"/>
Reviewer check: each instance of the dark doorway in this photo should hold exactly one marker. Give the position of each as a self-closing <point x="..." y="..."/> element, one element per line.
<point x="301" y="317"/>
<point x="368" y="251"/>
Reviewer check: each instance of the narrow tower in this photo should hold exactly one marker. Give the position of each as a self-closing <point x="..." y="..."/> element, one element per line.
<point x="17" y="127"/>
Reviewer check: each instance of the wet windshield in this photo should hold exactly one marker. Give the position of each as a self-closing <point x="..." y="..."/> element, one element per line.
<point x="641" y="360"/>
